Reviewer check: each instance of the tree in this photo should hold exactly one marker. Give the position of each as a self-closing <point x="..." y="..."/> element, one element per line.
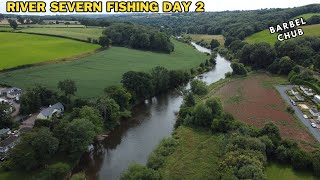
<point x="316" y="163"/>
<point x="214" y="43"/>
<point x="139" y="84"/>
<point x="238" y="69"/>
<point x="223" y="124"/>
<point x="44" y="144"/>
<point x="93" y="115"/>
<point x="104" y="41"/>
<point x="161" y="78"/>
<point x="272" y="131"/>
<point x="110" y="111"/>
<point x="68" y="86"/>
<point x="55" y="171"/>
<point x="13" y="23"/>
<point x="198" y="87"/>
<point x="189" y="100"/>
<point x="136" y="171"/>
<point x="202" y="116"/>
<point x="178" y="77"/>
<point x="5" y="119"/>
<point x="76" y="136"/>
<point x="120" y="95"/>
<point x="20" y="19"/>
<point x="286" y="65"/>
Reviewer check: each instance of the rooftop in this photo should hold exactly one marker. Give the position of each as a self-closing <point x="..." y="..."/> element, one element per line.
<point x="48" y="111"/>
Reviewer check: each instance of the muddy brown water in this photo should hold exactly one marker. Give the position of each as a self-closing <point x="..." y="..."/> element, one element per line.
<point x="134" y="139"/>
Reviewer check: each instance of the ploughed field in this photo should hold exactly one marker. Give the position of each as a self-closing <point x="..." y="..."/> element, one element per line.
<point x="19" y="49"/>
<point x="255" y="101"/>
<point x="265" y="36"/>
<point x="77" y="33"/>
<point x="93" y="73"/>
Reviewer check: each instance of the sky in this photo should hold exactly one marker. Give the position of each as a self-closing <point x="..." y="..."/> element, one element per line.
<point x="222" y="5"/>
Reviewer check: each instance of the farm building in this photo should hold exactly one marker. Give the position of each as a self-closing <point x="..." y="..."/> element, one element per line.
<point x="60" y="22"/>
<point x="14" y="93"/>
<point x="47" y="113"/>
<point x="8" y="144"/>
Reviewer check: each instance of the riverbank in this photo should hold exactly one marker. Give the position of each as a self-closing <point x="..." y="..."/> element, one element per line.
<point x="136" y="138"/>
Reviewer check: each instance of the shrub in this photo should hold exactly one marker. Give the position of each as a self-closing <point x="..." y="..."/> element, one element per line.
<point x="198" y="87"/>
<point x="137" y="171"/>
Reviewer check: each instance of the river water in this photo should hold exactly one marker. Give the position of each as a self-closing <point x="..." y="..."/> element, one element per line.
<point x="135" y="139"/>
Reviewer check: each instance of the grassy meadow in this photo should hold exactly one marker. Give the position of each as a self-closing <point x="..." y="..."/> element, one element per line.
<point x="93" y="73"/>
<point x="283" y="172"/>
<point x="307" y="16"/>
<point x="265" y="36"/>
<point x="77" y="33"/>
<point x="196" y="156"/>
<point x="206" y="38"/>
<point x="20" y="49"/>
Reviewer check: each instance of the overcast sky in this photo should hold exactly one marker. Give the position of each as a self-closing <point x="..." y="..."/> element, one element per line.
<point x="221" y="5"/>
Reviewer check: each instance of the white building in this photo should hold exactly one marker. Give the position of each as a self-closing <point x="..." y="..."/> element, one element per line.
<point x="47" y="113"/>
<point x="14" y="93"/>
<point x="317" y="98"/>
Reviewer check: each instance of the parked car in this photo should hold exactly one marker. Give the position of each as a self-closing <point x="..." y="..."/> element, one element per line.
<point x="313" y="125"/>
<point x="305" y="116"/>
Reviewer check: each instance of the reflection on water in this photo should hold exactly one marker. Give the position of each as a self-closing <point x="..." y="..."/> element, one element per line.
<point x="135" y="139"/>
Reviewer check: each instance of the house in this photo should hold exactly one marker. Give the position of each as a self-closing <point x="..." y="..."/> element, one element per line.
<point x="317" y="98"/>
<point x="8" y="144"/>
<point x="14" y="93"/>
<point x="47" y="113"/>
<point x="4" y="132"/>
<point x="306" y="91"/>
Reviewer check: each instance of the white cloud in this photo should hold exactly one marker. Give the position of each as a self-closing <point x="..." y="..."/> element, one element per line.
<point x="221" y="5"/>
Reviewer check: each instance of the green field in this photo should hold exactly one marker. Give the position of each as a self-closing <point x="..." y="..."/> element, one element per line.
<point x="77" y="33"/>
<point x="307" y="16"/>
<point x="20" y="49"/>
<point x="92" y="74"/>
<point x="265" y="36"/>
<point x="196" y="156"/>
<point x="206" y="38"/>
<point x="276" y="171"/>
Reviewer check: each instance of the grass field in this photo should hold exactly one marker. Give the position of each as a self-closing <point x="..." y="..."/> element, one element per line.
<point x="255" y="101"/>
<point x="20" y="49"/>
<point x="276" y="172"/>
<point x="265" y="36"/>
<point x="206" y="38"/>
<point x="196" y="156"/>
<point x="307" y="16"/>
<point x="77" y="33"/>
<point x="92" y="74"/>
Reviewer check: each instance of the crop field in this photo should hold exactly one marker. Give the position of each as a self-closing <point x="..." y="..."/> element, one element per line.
<point x="206" y="38"/>
<point x="77" y="33"/>
<point x="20" y="49"/>
<point x="255" y="101"/>
<point x="93" y="73"/>
<point x="265" y="36"/>
<point x="196" y="156"/>
<point x="283" y="172"/>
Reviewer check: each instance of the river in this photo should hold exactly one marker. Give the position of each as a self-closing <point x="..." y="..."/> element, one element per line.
<point x="134" y="140"/>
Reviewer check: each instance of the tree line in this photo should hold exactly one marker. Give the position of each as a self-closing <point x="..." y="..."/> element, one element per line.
<point x="137" y="37"/>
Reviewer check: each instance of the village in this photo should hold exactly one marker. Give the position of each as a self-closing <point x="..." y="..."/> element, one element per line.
<point x="10" y="100"/>
<point x="308" y="102"/>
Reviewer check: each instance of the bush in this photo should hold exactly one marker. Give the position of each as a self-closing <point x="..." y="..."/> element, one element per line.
<point x="238" y="69"/>
<point x="137" y="171"/>
<point x="290" y="109"/>
<point x="198" y="87"/>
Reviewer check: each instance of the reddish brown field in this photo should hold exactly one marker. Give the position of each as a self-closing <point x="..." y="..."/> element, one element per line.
<point x="255" y="101"/>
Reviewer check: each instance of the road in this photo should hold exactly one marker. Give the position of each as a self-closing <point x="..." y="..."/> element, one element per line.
<point x="282" y="90"/>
